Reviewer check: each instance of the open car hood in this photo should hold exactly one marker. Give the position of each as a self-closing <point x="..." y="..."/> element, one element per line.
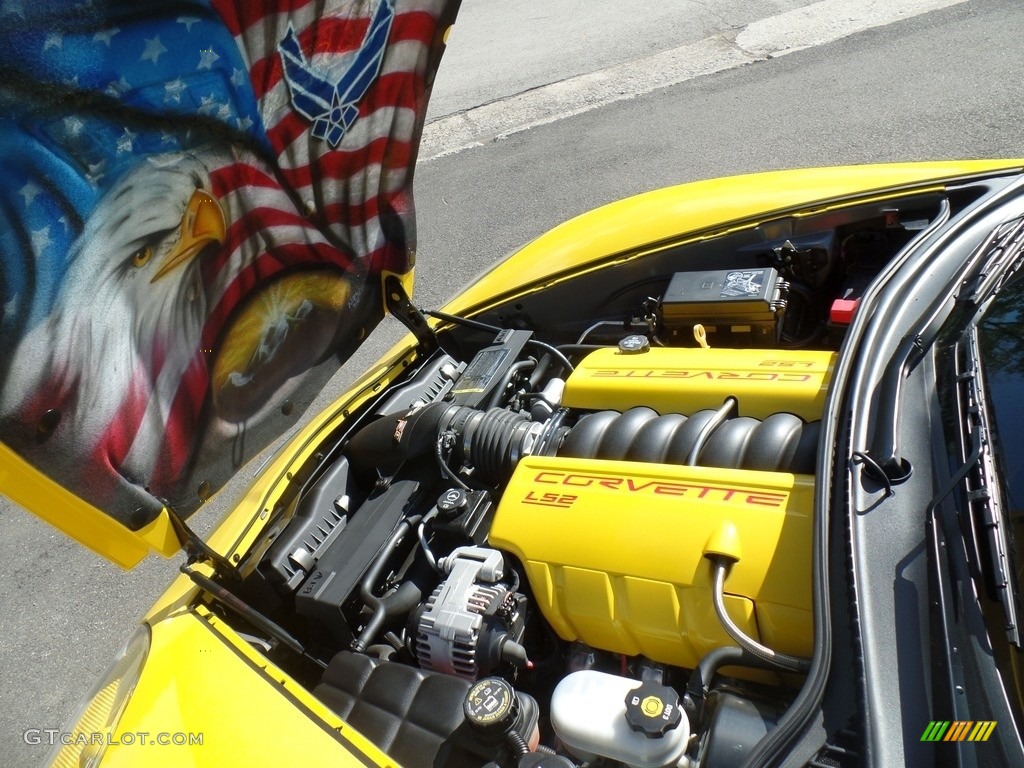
<point x="198" y="209"/>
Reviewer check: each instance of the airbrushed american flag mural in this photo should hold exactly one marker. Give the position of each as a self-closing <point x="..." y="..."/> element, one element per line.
<point x="199" y="201"/>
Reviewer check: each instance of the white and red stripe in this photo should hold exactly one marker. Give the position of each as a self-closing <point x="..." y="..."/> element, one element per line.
<point x="318" y="206"/>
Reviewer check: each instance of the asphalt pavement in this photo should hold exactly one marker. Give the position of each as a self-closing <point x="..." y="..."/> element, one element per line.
<point x="944" y="84"/>
<point x="499" y="49"/>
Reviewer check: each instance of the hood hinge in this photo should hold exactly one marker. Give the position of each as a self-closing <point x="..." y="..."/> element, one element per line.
<point x="400" y="305"/>
<point x="197" y="550"/>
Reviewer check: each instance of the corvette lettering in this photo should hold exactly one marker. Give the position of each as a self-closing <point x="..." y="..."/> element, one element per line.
<point x="673" y="373"/>
<point x="658" y="487"/>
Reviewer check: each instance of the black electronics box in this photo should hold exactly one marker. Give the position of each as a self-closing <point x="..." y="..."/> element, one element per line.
<point x="740" y="306"/>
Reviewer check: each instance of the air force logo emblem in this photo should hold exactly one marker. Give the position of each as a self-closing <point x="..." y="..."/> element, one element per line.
<point x="332" y="104"/>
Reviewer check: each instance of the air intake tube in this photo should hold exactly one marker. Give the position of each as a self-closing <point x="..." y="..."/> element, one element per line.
<point x="492" y="441"/>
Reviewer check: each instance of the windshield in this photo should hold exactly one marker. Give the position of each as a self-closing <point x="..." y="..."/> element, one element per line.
<point x="977" y="582"/>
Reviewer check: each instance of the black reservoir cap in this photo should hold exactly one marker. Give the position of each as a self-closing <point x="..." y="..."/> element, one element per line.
<point x="452" y="501"/>
<point x="653" y="709"/>
<point x="491" y="708"/>
<point x="634" y="345"/>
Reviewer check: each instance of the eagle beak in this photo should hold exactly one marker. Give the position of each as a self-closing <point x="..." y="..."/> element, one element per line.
<point x="202" y="224"/>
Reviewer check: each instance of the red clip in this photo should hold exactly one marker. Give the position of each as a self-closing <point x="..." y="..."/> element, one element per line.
<point x="842" y="311"/>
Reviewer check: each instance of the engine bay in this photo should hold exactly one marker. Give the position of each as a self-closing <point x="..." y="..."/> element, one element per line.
<point x="578" y="532"/>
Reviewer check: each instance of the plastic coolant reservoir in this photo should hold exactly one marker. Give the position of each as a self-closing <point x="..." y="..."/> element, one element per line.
<point x="588" y="713"/>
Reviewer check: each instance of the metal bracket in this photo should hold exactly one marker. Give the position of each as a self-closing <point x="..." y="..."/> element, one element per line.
<point x="400" y="305"/>
<point x="197" y="550"/>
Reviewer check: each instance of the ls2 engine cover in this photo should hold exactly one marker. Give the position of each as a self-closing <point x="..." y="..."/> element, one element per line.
<point x="614" y="552"/>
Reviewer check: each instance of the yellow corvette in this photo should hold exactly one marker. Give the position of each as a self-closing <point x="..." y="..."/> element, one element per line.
<point x="719" y="474"/>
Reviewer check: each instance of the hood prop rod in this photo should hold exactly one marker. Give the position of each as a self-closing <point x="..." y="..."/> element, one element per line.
<point x="198" y="550"/>
<point x="236" y="605"/>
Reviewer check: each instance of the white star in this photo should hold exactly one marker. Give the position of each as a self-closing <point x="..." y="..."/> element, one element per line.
<point x="224" y="112"/>
<point x="207" y="57"/>
<point x="73" y="125"/>
<point x="29" y="192"/>
<point x="173" y="90"/>
<point x="243" y="123"/>
<point x="188" y="21"/>
<point x="11" y="308"/>
<point x="53" y="40"/>
<point x="64" y="223"/>
<point x="14" y="8"/>
<point x="207" y="104"/>
<point x="118" y="88"/>
<point x="106" y="35"/>
<point x="124" y="141"/>
<point x="71" y="82"/>
<point x="154" y="49"/>
<point x="41" y="239"/>
<point x="237" y="77"/>
<point x="166" y="137"/>
<point x="96" y="170"/>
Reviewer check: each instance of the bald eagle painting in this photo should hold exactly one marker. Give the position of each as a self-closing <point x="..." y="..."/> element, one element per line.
<point x="164" y="335"/>
<point x="101" y="370"/>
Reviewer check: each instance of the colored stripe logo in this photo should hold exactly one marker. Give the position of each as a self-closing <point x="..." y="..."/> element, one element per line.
<point x="958" y="730"/>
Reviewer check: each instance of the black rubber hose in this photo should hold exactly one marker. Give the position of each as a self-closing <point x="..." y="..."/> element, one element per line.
<point x="507" y="379"/>
<point x="554" y="352"/>
<point x="517" y="744"/>
<point x="540" y="372"/>
<point x="700" y="680"/>
<point x="405" y="598"/>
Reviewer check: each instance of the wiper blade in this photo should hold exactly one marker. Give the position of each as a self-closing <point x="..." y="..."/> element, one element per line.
<point x="983" y="519"/>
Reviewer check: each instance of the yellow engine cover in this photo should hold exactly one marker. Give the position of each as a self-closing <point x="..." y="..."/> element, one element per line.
<point x="614" y="553"/>
<point x="685" y="380"/>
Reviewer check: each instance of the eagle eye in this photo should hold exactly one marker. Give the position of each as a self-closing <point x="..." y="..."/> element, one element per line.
<point x="142" y="256"/>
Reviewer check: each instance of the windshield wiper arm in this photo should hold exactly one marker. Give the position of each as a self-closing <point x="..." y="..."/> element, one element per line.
<point x="985" y="510"/>
<point x="982" y="519"/>
<point x="1003" y="247"/>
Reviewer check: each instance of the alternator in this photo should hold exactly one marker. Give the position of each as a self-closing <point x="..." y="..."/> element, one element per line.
<point x="471" y="622"/>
